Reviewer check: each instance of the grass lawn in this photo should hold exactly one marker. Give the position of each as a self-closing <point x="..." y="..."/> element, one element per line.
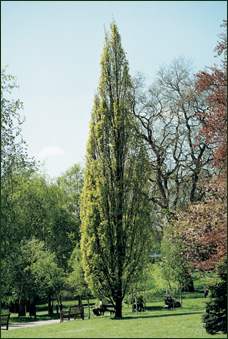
<point x="155" y="322"/>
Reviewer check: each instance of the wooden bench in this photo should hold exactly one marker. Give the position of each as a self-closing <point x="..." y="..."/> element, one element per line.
<point x="5" y="320"/>
<point x="74" y="311"/>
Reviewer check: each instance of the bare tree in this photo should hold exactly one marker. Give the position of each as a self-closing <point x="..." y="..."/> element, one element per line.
<point x="169" y="126"/>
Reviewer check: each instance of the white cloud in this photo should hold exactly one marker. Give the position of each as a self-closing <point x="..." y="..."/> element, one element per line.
<point x="48" y="151"/>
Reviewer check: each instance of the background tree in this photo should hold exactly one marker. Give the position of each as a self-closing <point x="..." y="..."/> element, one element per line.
<point x="49" y="279"/>
<point x="76" y="278"/>
<point x="213" y="86"/>
<point x="115" y="209"/>
<point x="71" y="182"/>
<point x="203" y="227"/>
<point x="13" y="147"/>
<point x="36" y="208"/>
<point x="175" y="266"/>
<point x="37" y="274"/>
<point x="169" y="126"/>
<point x="14" y="164"/>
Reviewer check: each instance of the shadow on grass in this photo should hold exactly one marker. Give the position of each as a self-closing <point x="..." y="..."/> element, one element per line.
<point x="154" y="308"/>
<point x="27" y="319"/>
<point x="155" y="316"/>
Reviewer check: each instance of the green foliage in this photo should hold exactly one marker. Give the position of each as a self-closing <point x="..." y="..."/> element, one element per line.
<point x="114" y="206"/>
<point x="76" y="278"/>
<point x="33" y="273"/>
<point x="13" y="148"/>
<point x="156" y="284"/>
<point x="34" y="207"/>
<point x="71" y="183"/>
<point x="215" y="317"/>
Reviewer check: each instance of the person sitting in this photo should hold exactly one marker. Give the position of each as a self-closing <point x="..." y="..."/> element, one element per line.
<point x="96" y="311"/>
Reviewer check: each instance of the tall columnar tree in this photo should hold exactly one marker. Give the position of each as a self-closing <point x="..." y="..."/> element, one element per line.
<point x="114" y="205"/>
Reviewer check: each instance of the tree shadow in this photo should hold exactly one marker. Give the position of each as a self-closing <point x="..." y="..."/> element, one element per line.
<point x="27" y="319"/>
<point x="155" y="316"/>
<point x="154" y="308"/>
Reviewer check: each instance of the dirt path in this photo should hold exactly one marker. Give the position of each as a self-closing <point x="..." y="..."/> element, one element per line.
<point x="33" y="323"/>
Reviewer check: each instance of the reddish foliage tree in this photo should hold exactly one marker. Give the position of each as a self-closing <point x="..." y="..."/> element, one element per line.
<point x="213" y="85"/>
<point x="202" y="228"/>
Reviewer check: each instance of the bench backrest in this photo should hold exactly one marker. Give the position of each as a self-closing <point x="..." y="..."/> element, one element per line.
<point x="5" y="318"/>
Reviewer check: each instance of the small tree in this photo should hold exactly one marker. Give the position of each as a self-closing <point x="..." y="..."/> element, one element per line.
<point x="47" y="276"/>
<point x="175" y="267"/>
<point x="215" y="317"/>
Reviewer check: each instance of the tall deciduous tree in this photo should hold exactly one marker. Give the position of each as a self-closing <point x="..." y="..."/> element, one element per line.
<point x="115" y="210"/>
<point x="169" y="126"/>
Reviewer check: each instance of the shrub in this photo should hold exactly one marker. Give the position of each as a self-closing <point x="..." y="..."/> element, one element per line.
<point x="215" y="317"/>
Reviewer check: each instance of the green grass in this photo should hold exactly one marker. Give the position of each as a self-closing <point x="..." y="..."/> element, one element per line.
<point x="155" y="322"/>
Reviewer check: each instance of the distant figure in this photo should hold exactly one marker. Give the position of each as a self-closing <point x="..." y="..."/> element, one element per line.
<point x="167" y="296"/>
<point x="100" y="304"/>
<point x="57" y="308"/>
<point x="61" y="307"/>
<point x="206" y="292"/>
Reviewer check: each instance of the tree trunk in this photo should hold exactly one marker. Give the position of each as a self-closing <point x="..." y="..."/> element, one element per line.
<point x="21" y="308"/>
<point x="136" y="303"/>
<point x="50" y="308"/>
<point x="118" y="313"/>
<point x="189" y="286"/>
<point x="88" y="308"/>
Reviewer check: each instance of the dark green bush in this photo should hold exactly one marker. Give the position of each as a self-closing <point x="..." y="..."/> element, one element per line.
<point x="215" y="317"/>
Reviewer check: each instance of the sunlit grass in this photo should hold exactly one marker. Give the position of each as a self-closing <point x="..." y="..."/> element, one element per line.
<point x="155" y="322"/>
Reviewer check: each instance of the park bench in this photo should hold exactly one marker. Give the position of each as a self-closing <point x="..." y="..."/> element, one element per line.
<point x="5" y="320"/>
<point x="105" y="308"/>
<point x="74" y="311"/>
<point x="171" y="303"/>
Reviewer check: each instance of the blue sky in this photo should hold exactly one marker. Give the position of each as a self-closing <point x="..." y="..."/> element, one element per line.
<point x="54" y="49"/>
